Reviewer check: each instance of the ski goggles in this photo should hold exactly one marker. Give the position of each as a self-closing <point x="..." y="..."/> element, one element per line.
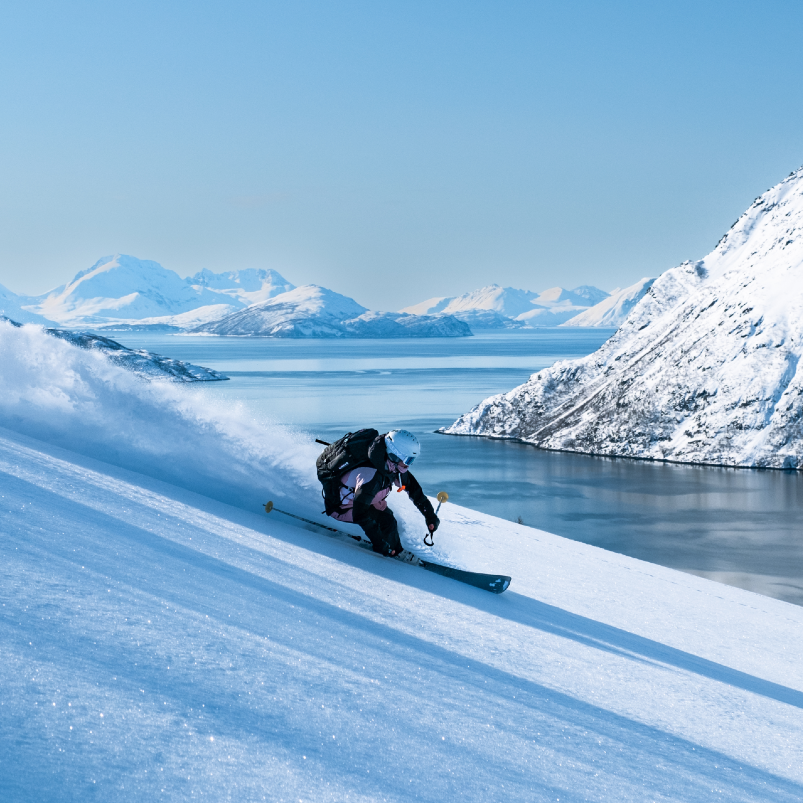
<point x="394" y="458"/>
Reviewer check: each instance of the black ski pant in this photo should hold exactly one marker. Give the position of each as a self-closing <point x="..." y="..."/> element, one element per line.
<point x="382" y="530"/>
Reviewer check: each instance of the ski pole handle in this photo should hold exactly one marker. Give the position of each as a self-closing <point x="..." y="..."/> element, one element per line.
<point x="441" y="497"/>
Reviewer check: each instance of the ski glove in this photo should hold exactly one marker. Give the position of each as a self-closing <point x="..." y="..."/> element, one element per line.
<point x="434" y="521"/>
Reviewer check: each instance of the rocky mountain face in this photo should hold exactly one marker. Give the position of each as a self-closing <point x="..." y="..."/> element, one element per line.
<point x="705" y="369"/>
<point x="313" y="311"/>
<point x="146" y="363"/>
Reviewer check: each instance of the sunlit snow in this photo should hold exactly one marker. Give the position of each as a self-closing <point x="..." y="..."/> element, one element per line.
<point x="162" y="638"/>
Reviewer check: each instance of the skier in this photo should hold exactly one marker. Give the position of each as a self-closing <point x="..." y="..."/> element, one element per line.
<point x="358" y="472"/>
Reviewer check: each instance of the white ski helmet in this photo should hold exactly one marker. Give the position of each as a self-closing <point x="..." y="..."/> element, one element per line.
<point x="402" y="446"/>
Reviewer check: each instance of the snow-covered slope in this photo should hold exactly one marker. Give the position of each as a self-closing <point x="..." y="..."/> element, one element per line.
<point x="507" y="301"/>
<point x="11" y="307"/>
<point x="557" y="305"/>
<point x="546" y="316"/>
<point x="162" y="638"/>
<point x="587" y="294"/>
<point x="250" y="286"/>
<point x="123" y="290"/>
<point x="549" y="308"/>
<point x="613" y="310"/>
<point x="706" y="368"/>
<point x="397" y="324"/>
<point x="432" y="306"/>
<point x="313" y="311"/>
<point x="125" y="287"/>
<point x="479" y="319"/>
<point x="308" y="311"/>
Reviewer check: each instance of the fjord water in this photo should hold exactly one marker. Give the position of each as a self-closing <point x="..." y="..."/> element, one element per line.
<point x="738" y="526"/>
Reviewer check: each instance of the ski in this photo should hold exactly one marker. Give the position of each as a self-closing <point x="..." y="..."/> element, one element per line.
<point x="495" y="583"/>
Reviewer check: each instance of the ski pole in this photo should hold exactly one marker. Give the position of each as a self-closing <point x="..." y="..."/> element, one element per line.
<point x="441" y="497"/>
<point x="270" y="506"/>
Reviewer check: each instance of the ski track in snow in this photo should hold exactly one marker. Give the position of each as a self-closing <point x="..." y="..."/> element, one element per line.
<point x="162" y="638"/>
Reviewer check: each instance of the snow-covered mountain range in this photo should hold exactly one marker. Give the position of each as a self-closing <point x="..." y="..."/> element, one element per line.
<point x="122" y="292"/>
<point x="313" y="311"/>
<point x="514" y="308"/>
<point x="125" y="293"/>
<point x="705" y="369"/>
<point x="122" y="289"/>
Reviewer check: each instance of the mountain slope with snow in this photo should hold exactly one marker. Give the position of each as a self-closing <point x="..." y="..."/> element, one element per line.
<point x="121" y="286"/>
<point x="11" y="306"/>
<point x="162" y="638"/>
<point x="705" y="368"/>
<point x="313" y="311"/>
<point x="549" y="308"/>
<point x="249" y="286"/>
<point x="613" y="310"/>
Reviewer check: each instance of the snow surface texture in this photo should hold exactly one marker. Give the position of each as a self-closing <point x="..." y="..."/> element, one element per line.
<point x="514" y="308"/>
<point x="313" y="311"/>
<point x="79" y="400"/>
<point x="141" y="293"/>
<point x="159" y="644"/>
<point x="705" y="369"/>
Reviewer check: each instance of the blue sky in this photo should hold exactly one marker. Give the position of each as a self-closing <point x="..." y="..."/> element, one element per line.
<point x="393" y="151"/>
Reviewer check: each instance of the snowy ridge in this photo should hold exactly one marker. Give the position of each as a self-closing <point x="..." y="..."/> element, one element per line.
<point x="249" y="286"/>
<point x="484" y="319"/>
<point x="507" y="301"/>
<point x="313" y="311"/>
<point x="163" y="638"/>
<point x="513" y="308"/>
<point x="121" y="287"/>
<point x="705" y="368"/>
<point x="613" y="310"/>
<point x="11" y="307"/>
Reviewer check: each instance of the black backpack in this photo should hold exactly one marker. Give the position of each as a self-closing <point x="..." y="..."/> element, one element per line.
<point x="336" y="459"/>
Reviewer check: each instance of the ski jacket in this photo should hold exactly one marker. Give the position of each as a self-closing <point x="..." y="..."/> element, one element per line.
<point x="367" y="486"/>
